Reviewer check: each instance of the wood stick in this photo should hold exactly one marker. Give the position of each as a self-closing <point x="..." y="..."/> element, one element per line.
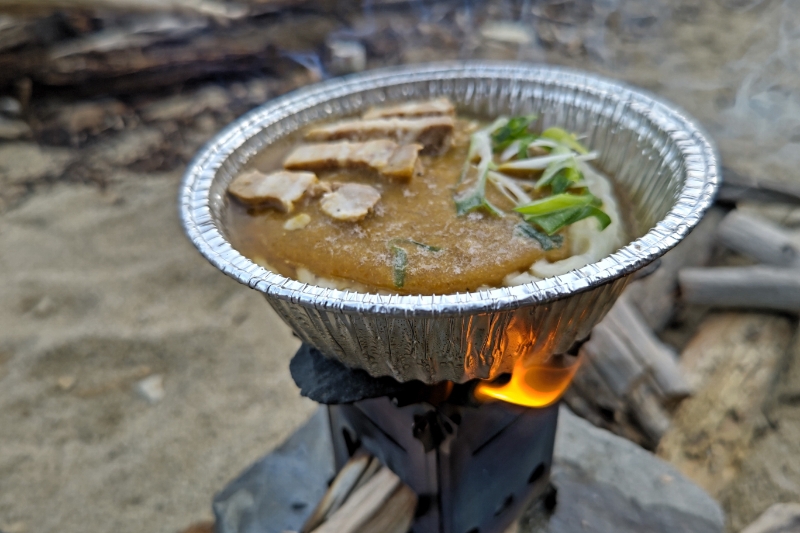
<point x="370" y="505"/>
<point x="756" y="287"/>
<point x="627" y="323"/>
<point x="615" y="362"/>
<point x="396" y="515"/>
<point x="345" y="482"/>
<point x="760" y="239"/>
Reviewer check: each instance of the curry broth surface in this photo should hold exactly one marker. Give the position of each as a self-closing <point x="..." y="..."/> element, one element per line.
<point x="477" y="250"/>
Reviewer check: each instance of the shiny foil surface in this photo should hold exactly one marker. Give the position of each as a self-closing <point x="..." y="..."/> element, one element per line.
<point x="659" y="158"/>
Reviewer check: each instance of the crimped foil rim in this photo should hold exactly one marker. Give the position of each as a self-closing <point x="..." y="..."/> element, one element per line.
<point x="695" y="197"/>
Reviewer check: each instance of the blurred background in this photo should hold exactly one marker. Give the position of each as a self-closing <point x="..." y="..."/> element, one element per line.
<point x="136" y="380"/>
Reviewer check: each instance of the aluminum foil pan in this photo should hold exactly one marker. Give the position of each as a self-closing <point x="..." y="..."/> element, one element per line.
<point x="657" y="155"/>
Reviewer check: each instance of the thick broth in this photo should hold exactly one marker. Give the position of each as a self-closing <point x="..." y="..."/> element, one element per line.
<point x="477" y="250"/>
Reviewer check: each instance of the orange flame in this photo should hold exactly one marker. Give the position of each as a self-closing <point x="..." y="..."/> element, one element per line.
<point x="533" y="384"/>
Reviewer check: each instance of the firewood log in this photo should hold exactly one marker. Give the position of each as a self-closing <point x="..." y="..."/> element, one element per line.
<point x="733" y="362"/>
<point x="615" y="362"/>
<point x="760" y="239"/>
<point x="626" y="321"/>
<point x="755" y="287"/>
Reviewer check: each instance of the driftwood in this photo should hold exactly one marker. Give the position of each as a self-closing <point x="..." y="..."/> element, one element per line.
<point x="754" y="287"/>
<point x="760" y="239"/>
<point x="655" y="295"/>
<point x="384" y="504"/>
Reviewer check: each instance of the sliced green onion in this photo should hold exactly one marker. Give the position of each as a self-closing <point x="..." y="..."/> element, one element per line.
<point x="547" y="242"/>
<point x="554" y="203"/>
<point x="475" y="197"/>
<point x="554" y="221"/>
<point x="534" y="163"/>
<point x="565" y="138"/>
<point x="509" y="188"/>
<point x="513" y="130"/>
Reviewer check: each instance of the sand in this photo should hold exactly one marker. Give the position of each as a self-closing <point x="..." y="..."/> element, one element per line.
<point x="101" y="290"/>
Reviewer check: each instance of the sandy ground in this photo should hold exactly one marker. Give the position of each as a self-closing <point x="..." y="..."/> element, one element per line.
<point x="101" y="290"/>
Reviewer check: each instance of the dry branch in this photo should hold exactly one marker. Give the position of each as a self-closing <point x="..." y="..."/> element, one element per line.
<point x="756" y="287"/>
<point x="760" y="239"/>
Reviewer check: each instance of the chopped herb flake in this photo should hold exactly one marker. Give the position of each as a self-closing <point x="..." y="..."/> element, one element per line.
<point x="399" y="264"/>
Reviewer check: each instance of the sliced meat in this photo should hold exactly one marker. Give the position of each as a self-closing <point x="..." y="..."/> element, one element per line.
<point x="278" y="189"/>
<point x="433" y="133"/>
<point x="429" y="108"/>
<point x="350" y="202"/>
<point x="403" y="162"/>
<point x="384" y="156"/>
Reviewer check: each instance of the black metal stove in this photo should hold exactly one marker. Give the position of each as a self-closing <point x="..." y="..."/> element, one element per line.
<point x="475" y="467"/>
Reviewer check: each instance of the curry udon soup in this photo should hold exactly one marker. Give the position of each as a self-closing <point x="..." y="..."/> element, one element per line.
<point x="415" y="199"/>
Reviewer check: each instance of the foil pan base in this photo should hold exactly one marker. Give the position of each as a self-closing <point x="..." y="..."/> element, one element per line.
<point x="660" y="161"/>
